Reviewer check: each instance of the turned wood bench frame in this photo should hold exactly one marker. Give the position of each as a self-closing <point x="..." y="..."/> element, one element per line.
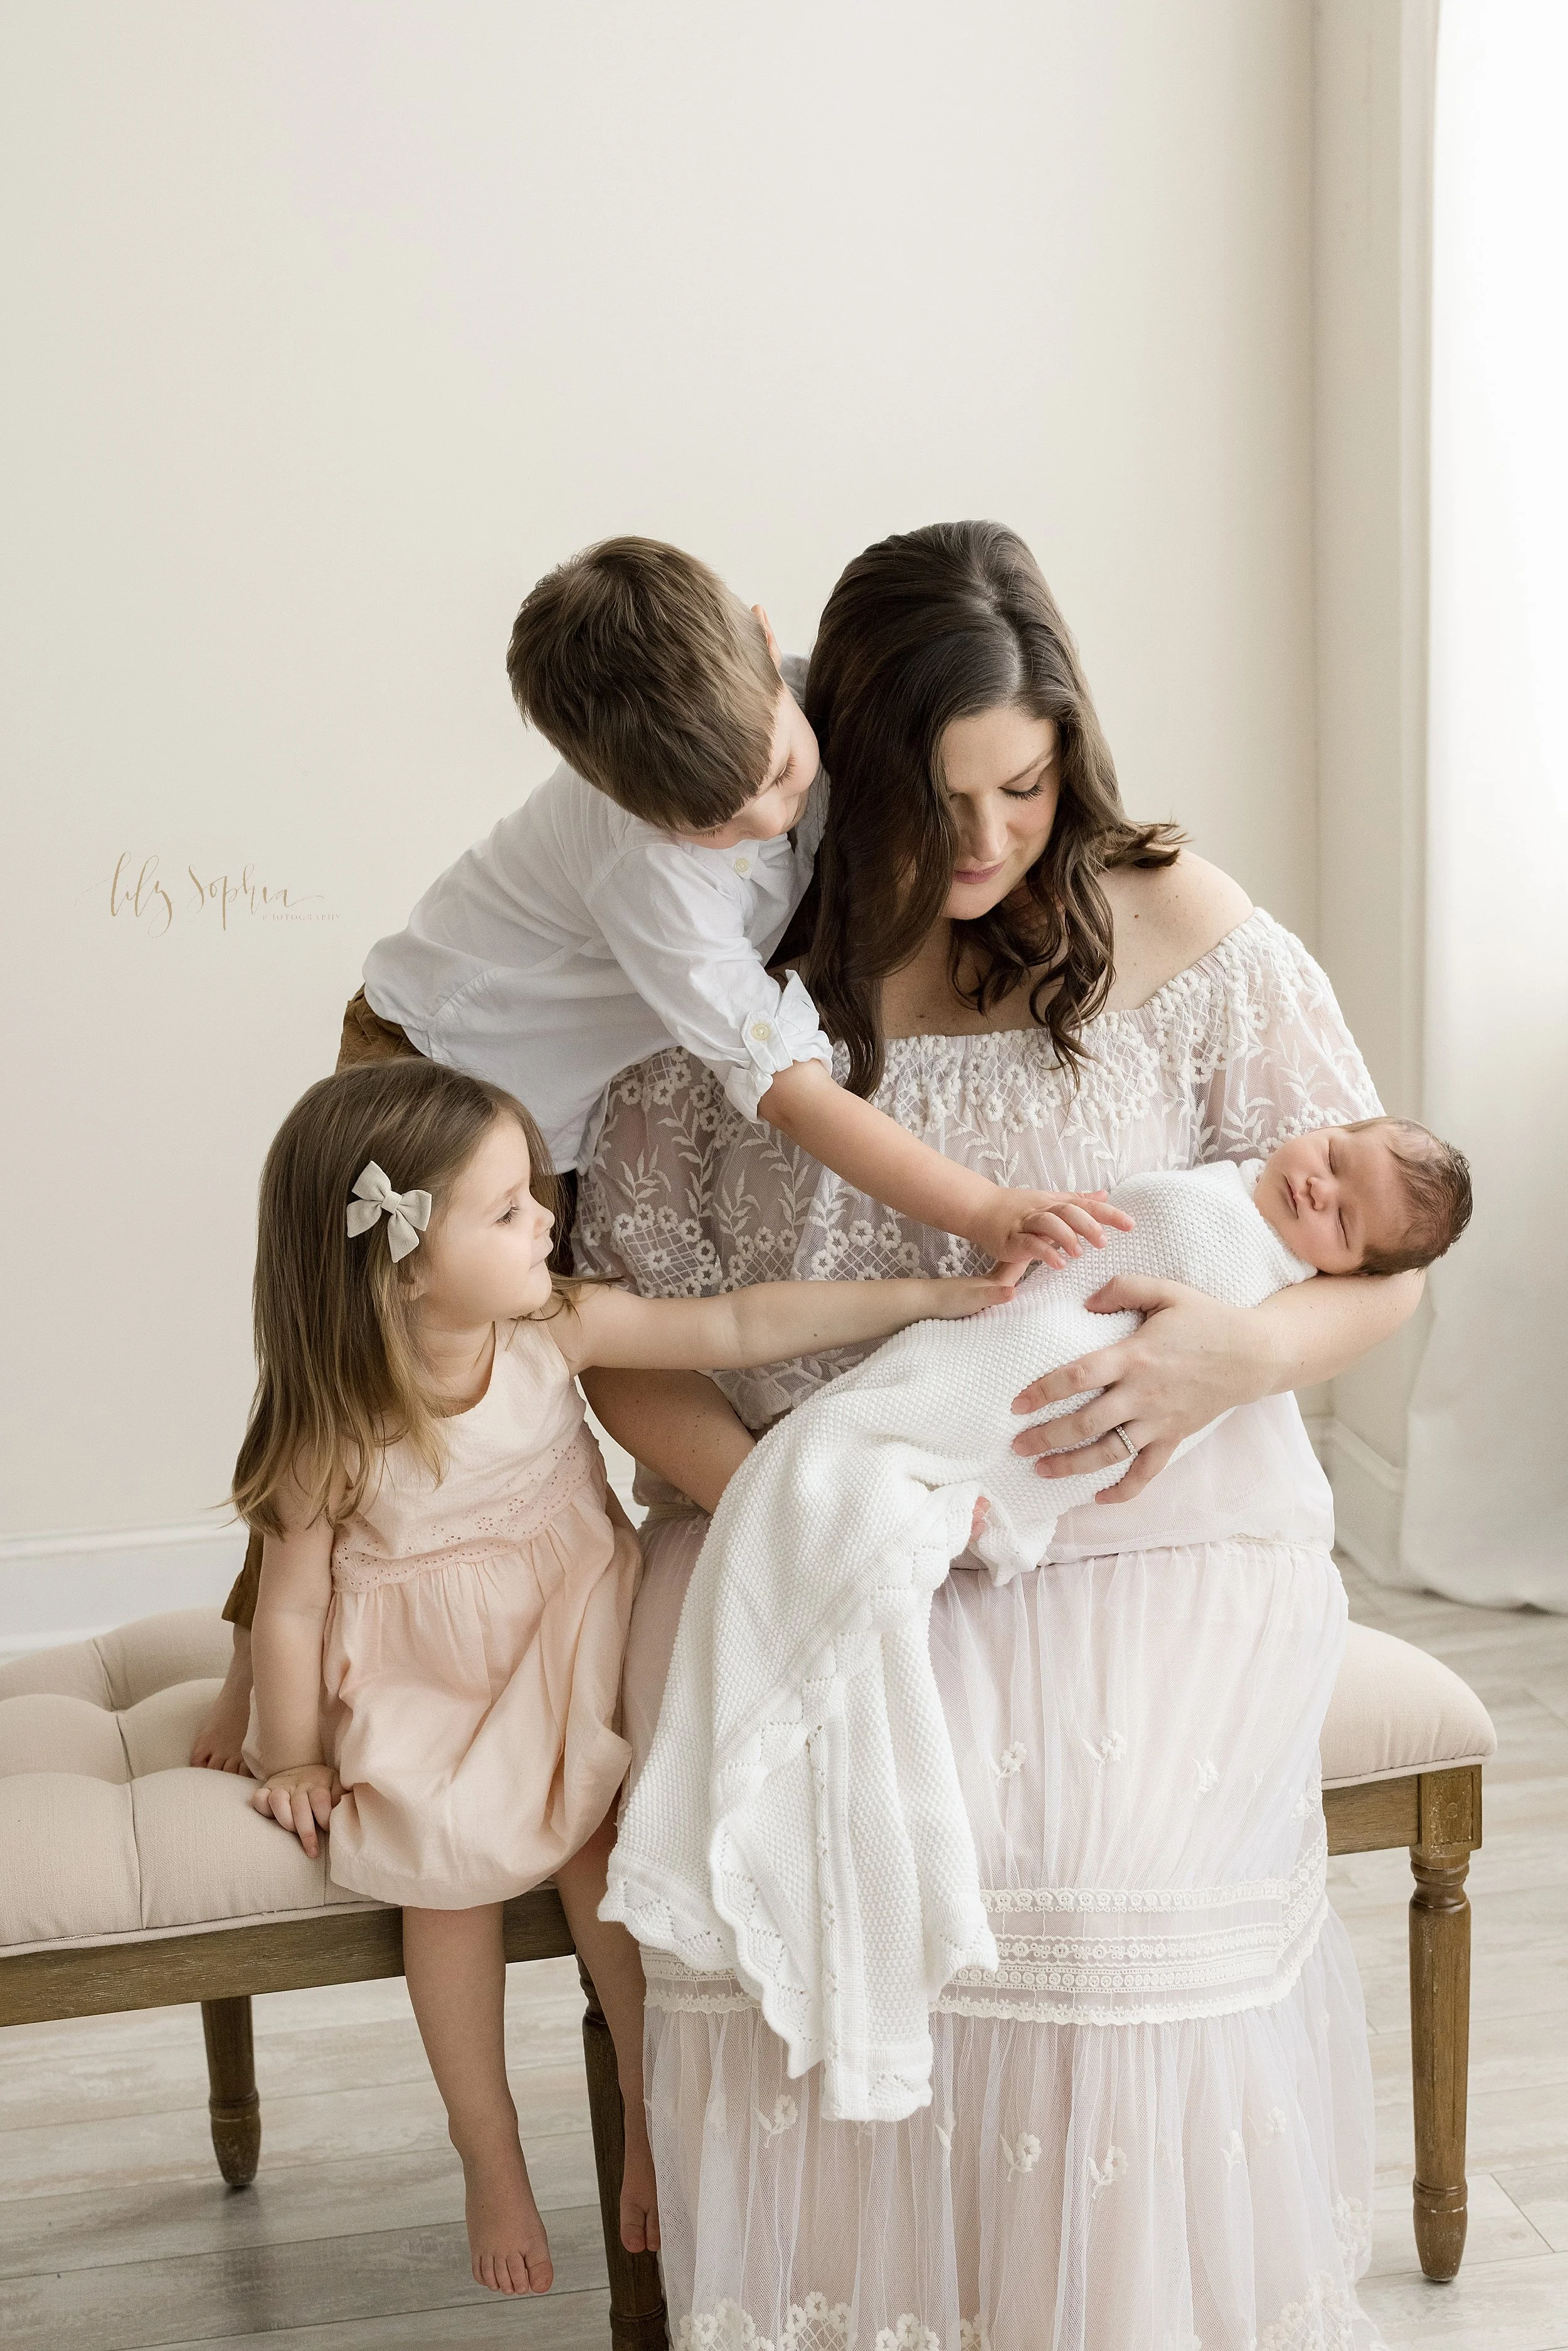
<point x="1436" y="1814"/>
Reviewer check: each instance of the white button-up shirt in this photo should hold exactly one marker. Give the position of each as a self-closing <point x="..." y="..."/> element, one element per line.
<point x="578" y="939"/>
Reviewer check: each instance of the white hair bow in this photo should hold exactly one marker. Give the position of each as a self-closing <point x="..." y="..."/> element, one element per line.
<point x="405" y="1211"/>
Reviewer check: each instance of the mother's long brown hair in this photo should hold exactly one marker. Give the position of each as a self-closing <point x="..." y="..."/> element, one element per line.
<point x="931" y="626"/>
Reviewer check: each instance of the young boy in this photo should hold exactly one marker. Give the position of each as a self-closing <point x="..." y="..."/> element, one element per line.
<point x="633" y="902"/>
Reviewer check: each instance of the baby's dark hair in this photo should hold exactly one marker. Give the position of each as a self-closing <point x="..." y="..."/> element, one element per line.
<point x="1436" y="1177"/>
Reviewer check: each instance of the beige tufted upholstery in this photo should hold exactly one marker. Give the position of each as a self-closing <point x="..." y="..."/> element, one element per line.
<point x="128" y="1880"/>
<point x="1397" y="1710"/>
<point x="106" y="1833"/>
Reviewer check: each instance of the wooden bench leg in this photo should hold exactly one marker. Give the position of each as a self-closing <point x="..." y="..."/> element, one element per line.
<point x="235" y="2108"/>
<point x="1440" y="2015"/>
<point x="636" y="2292"/>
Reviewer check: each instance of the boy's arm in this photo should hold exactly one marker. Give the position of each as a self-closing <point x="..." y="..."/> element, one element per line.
<point x="672" y="920"/>
<point x="673" y="917"/>
<point x="286" y="1652"/>
<point x="872" y="1152"/>
<point x="768" y="1323"/>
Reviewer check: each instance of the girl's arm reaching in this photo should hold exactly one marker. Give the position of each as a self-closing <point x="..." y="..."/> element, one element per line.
<point x="764" y="1324"/>
<point x="299" y="1789"/>
<point x="872" y="1152"/>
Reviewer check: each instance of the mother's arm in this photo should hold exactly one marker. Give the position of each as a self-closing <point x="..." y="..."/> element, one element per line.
<point x="1193" y="1358"/>
<point x="1293" y="1063"/>
<point x="678" y="1423"/>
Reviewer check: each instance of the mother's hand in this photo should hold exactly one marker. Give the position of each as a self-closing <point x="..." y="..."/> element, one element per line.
<point x="1190" y="1360"/>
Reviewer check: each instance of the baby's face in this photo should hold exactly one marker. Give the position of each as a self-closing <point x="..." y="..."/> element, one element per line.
<point x="1333" y="1195"/>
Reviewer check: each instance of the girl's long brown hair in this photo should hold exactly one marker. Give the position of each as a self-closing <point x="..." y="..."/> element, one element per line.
<point x="340" y="1375"/>
<point x="931" y="626"/>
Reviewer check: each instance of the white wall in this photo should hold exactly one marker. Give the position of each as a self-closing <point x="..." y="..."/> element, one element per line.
<point x="339" y="324"/>
<point x="1374" y="68"/>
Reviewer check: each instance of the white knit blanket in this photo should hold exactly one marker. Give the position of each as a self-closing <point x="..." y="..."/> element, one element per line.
<point x="799" y="1820"/>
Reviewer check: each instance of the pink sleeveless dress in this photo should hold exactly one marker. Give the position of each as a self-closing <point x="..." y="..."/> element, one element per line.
<point x="472" y="1649"/>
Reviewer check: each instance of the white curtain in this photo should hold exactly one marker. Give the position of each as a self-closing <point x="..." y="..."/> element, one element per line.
<point x="1486" y="1508"/>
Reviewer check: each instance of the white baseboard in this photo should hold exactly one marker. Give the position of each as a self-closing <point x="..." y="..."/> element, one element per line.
<point x="1368" y="1498"/>
<point x="68" y="1585"/>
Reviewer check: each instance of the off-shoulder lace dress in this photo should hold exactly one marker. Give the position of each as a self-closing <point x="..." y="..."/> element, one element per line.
<point x="1152" y="2129"/>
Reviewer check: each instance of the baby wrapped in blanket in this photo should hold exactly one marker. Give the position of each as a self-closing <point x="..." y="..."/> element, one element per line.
<point x="799" y="1820"/>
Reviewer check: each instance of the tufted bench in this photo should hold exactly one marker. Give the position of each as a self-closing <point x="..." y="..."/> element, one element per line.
<point x="128" y="1880"/>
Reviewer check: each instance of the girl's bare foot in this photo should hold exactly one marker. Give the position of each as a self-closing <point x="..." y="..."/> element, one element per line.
<point x="639" y="2198"/>
<point x="507" y="2240"/>
<point x="219" y="1743"/>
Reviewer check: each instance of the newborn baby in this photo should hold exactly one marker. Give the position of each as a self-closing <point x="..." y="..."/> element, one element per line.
<point x="1382" y="1196"/>
<point x="799" y="1820"/>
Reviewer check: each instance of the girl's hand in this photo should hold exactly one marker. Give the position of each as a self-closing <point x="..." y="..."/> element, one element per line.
<point x="958" y="1295"/>
<point x="301" y="1798"/>
<point x="1049" y="1225"/>
<point x="1192" y="1359"/>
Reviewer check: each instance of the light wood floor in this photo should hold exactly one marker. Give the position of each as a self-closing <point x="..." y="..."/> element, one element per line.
<point x="115" y="2231"/>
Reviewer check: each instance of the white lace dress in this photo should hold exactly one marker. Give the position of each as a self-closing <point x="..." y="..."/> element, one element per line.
<point x="1151" y="2129"/>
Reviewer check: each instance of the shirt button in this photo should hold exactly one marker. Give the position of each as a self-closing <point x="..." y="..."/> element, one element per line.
<point x="742" y="864"/>
<point x="761" y="1030"/>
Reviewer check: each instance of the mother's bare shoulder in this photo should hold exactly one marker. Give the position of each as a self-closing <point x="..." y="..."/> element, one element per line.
<point x="1166" y="918"/>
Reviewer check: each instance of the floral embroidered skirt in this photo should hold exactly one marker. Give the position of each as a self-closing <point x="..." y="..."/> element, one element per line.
<point x="1152" y="2129"/>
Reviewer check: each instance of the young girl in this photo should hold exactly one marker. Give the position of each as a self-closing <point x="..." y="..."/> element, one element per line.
<point x="446" y="1583"/>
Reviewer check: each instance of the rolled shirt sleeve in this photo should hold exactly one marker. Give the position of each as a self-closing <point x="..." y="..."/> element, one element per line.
<point x="676" y="926"/>
<point x="775" y="1042"/>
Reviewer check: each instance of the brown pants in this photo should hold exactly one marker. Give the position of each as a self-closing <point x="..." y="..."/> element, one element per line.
<point x="368" y="1037"/>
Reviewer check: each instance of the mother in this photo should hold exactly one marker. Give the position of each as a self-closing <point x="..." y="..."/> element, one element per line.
<point x="1151" y="2129"/>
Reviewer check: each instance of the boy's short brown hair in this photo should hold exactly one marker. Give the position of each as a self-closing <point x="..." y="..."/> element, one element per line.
<point x="1436" y="1179"/>
<point x="651" y="678"/>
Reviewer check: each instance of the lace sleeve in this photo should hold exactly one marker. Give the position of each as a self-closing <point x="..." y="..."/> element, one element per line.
<point x="1272" y="1054"/>
<point x="644" y="1204"/>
